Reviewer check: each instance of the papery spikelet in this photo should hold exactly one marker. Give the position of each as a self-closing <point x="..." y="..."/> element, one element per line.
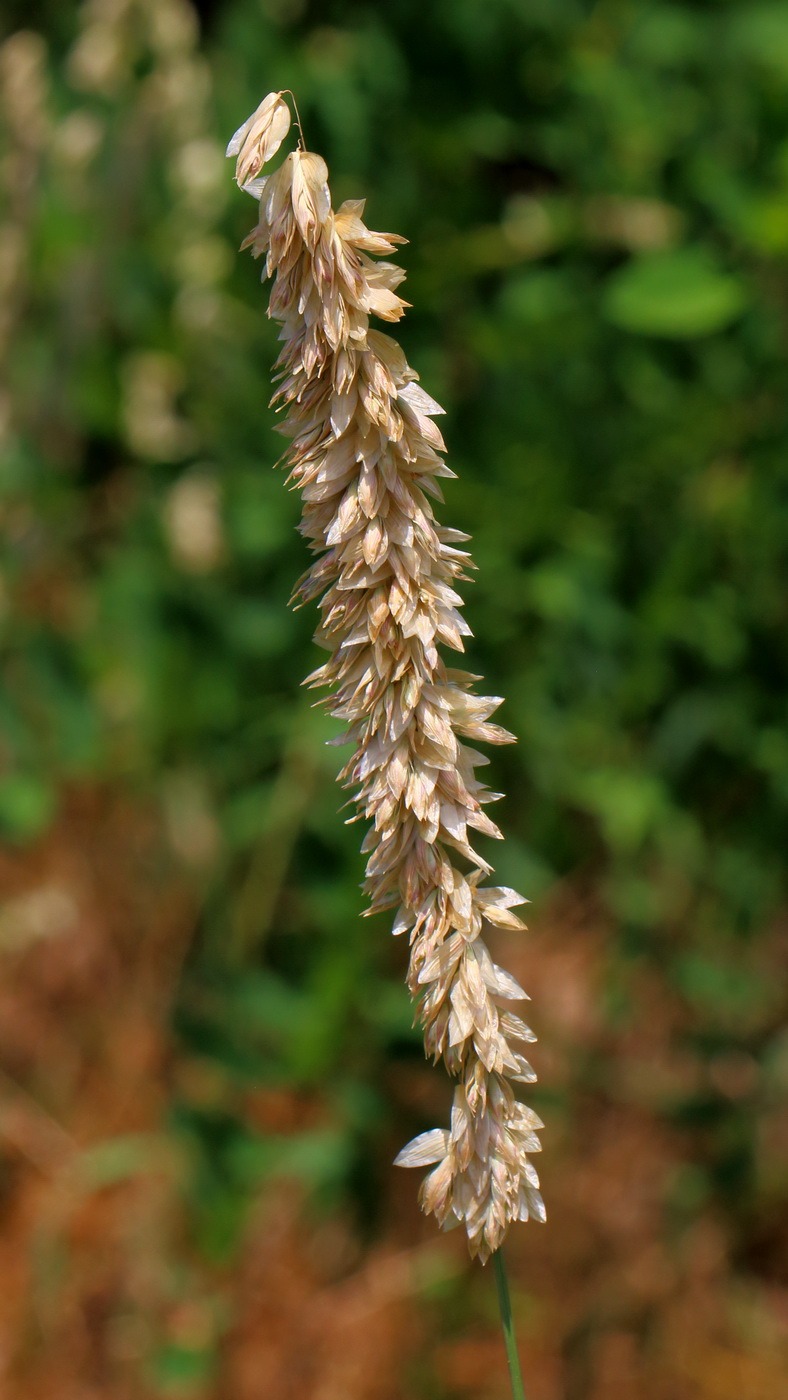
<point x="365" y="454"/>
<point x="260" y="137"/>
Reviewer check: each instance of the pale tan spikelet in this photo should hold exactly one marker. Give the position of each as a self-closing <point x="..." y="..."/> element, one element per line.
<point x="365" y="455"/>
<point x="259" y="138"/>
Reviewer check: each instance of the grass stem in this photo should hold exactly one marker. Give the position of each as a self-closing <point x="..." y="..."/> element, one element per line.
<point x="510" y="1340"/>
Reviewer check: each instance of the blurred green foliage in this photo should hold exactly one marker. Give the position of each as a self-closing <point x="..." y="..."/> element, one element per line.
<point x="596" y="197"/>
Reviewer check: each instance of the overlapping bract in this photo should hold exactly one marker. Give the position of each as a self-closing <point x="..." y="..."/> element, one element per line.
<point x="365" y="455"/>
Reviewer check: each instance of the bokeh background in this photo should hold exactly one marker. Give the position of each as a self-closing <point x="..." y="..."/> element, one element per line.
<point x="207" y="1055"/>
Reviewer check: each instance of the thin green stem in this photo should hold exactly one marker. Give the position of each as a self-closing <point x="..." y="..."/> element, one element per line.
<point x="509" y="1338"/>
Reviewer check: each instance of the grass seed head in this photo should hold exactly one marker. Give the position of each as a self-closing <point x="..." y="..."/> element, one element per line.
<point x="365" y="454"/>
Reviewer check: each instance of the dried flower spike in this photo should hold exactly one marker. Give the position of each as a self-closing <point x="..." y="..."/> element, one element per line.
<point x="365" y="454"/>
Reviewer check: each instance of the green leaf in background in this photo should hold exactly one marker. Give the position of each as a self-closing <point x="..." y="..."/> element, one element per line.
<point x="27" y="806"/>
<point x="677" y="294"/>
<point x="761" y="32"/>
<point x="182" y="1371"/>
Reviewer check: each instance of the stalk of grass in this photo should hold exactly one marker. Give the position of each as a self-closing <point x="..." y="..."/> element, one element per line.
<point x="367" y="457"/>
<point x="507" y="1325"/>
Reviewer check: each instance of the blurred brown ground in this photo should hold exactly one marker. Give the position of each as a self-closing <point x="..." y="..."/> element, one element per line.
<point x="96" y="1261"/>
